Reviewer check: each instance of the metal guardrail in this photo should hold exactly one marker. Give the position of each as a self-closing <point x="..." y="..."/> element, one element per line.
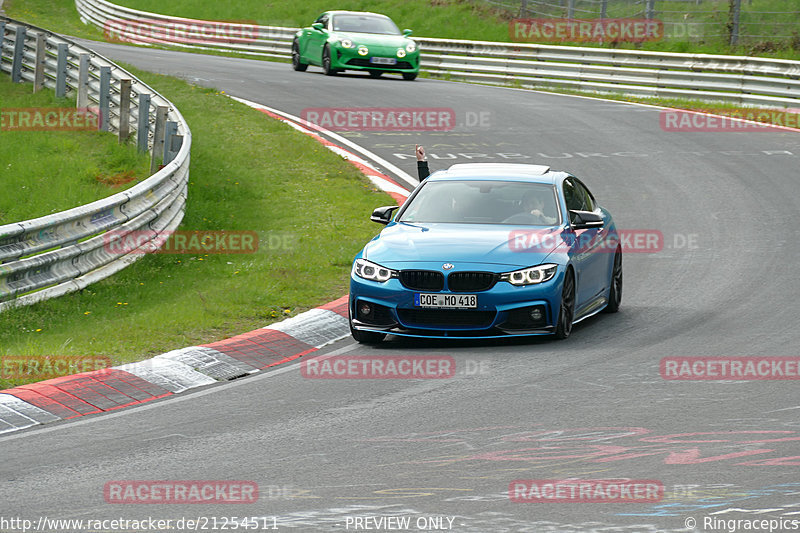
<point x="141" y="27"/>
<point x="733" y="79"/>
<point x="67" y="251"/>
<point x="740" y="80"/>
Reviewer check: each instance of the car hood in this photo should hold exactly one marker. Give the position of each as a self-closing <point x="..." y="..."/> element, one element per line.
<point x="502" y="245"/>
<point x="372" y="39"/>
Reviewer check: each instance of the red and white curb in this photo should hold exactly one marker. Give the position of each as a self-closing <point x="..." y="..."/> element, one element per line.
<point x="173" y="372"/>
<point x="180" y="370"/>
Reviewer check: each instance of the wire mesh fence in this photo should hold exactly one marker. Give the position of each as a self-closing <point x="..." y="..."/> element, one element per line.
<point x="745" y="22"/>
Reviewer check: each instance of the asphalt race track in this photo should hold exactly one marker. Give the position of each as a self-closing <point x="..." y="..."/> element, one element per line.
<point x="327" y="451"/>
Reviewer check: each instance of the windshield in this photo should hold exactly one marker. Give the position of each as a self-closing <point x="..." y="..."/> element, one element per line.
<point x="365" y="24"/>
<point x="484" y="202"/>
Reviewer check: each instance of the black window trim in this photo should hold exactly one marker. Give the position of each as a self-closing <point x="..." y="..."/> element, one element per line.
<point x="576" y="181"/>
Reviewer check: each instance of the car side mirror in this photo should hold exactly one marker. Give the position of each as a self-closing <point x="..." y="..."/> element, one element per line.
<point x="318" y="26"/>
<point x="383" y="215"/>
<point x="585" y="219"/>
<point x="407" y="32"/>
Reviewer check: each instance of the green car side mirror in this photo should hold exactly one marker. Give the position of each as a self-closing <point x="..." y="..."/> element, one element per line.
<point x="318" y="26"/>
<point x="406" y="33"/>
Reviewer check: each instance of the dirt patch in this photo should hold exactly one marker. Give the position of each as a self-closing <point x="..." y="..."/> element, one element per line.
<point x="117" y="180"/>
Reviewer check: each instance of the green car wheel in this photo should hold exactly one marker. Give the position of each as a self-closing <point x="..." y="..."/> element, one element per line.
<point x="297" y="64"/>
<point x="326" y="62"/>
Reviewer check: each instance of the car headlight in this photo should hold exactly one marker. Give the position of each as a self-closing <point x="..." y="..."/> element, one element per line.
<point x="401" y="52"/>
<point x="346" y="43"/>
<point x="372" y="271"/>
<point x="410" y="47"/>
<point x="363" y="50"/>
<point x="530" y="276"/>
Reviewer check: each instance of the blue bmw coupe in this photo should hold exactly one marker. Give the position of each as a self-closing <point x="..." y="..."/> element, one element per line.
<point x="487" y="250"/>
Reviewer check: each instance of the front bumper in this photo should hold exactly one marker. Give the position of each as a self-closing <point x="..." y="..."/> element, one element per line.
<point x="502" y="311"/>
<point x="349" y="59"/>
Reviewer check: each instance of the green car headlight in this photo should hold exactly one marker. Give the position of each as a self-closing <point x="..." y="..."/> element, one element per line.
<point x="363" y="50"/>
<point x="346" y="43"/>
<point x="530" y="276"/>
<point x="401" y="53"/>
<point x="410" y="47"/>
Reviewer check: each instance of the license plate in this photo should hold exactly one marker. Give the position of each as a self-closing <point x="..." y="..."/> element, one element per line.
<point x="383" y="60"/>
<point x="450" y="301"/>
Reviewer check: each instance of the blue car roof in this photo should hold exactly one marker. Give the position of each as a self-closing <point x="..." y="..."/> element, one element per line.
<point x="499" y="172"/>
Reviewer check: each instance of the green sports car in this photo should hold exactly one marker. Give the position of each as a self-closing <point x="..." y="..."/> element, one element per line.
<point x="354" y="40"/>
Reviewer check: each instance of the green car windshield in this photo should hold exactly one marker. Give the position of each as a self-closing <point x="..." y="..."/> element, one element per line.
<point x="364" y="24"/>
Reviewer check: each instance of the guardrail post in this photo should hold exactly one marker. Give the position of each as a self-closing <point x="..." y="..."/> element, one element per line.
<point x="124" y="109"/>
<point x="571" y="9"/>
<point x="143" y="124"/>
<point x="650" y="9"/>
<point x="105" y="98"/>
<point x="733" y="24"/>
<point x="83" y="81"/>
<point x="2" y="34"/>
<point x="19" y="49"/>
<point x="175" y="146"/>
<point x="61" y="71"/>
<point x="38" y="74"/>
<point x="170" y="130"/>
<point x="604" y="9"/>
<point x="158" y="138"/>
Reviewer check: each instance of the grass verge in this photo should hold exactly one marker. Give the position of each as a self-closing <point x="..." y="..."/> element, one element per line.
<point x="55" y="15"/>
<point x="43" y="172"/>
<point x="482" y="20"/>
<point x="464" y="19"/>
<point x="249" y="173"/>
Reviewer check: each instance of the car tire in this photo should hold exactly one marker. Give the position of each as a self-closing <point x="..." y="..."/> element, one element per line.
<point x="615" y="294"/>
<point x="409" y="76"/>
<point x="375" y="73"/>
<point x="566" y="311"/>
<point x="298" y="65"/>
<point x="364" y="337"/>
<point x="326" y="62"/>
